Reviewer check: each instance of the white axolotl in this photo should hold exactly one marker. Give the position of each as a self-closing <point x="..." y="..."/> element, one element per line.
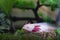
<point x="38" y="27"/>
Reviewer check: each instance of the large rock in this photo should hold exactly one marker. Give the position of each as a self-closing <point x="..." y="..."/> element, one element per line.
<point x="46" y="11"/>
<point x="21" y="13"/>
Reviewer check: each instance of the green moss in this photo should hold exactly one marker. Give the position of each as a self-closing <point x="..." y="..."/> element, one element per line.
<point x="47" y="19"/>
<point x="40" y="14"/>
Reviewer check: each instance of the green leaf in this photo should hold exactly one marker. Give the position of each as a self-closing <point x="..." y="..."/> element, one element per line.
<point x="42" y="1"/>
<point x="58" y="31"/>
<point x="47" y="19"/>
<point x="25" y="4"/>
<point x="53" y="3"/>
<point x="6" y="6"/>
<point x="49" y="1"/>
